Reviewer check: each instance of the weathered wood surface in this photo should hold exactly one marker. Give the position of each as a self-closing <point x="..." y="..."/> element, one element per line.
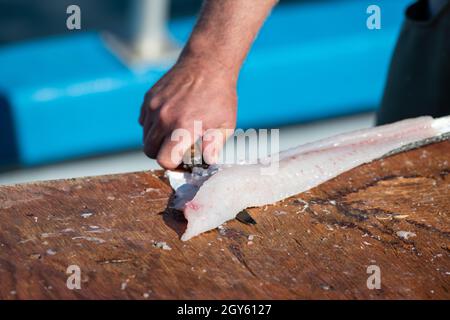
<point x="315" y="245"/>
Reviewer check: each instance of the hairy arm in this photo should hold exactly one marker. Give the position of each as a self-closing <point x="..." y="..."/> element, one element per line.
<point x="201" y="86"/>
<point x="226" y="30"/>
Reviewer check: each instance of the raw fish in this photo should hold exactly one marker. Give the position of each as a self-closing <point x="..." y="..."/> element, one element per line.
<point x="224" y="192"/>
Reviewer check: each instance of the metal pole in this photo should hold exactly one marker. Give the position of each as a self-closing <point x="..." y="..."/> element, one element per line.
<point x="149" y="38"/>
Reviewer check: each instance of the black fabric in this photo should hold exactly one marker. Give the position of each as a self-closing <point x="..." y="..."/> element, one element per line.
<point x="419" y="77"/>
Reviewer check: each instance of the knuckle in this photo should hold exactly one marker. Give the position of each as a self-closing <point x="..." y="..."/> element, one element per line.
<point x="154" y="102"/>
<point x="164" y="116"/>
<point x="148" y="95"/>
<point x="183" y="122"/>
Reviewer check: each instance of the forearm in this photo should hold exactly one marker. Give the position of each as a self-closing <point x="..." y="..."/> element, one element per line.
<point x="225" y="32"/>
<point x="202" y="84"/>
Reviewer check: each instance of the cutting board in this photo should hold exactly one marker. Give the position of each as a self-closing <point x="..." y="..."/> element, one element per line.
<point x="380" y="231"/>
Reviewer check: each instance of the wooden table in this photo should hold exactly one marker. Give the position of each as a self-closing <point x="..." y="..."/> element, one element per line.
<point x="392" y="214"/>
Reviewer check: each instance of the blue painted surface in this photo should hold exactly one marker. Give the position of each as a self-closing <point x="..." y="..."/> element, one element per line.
<point x="70" y="97"/>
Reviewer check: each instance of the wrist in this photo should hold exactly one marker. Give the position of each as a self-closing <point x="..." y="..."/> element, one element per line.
<point x="199" y="56"/>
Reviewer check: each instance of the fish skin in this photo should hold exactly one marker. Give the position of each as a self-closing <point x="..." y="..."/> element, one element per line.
<point x="237" y="187"/>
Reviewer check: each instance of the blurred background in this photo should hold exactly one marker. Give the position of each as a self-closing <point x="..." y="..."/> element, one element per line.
<point x="70" y="99"/>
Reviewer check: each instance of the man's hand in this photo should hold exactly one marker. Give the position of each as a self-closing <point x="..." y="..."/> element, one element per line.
<point x="202" y="84"/>
<point x="188" y="92"/>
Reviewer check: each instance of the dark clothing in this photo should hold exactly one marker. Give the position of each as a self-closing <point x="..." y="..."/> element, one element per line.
<point x="419" y="77"/>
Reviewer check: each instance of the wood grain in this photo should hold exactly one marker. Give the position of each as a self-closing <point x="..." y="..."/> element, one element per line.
<point x="317" y="244"/>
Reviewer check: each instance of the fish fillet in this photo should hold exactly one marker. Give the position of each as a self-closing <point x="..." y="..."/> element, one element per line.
<point x="231" y="189"/>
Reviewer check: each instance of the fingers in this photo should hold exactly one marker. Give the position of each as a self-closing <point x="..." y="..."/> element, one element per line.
<point x="169" y="147"/>
<point x="149" y="106"/>
<point x="213" y="141"/>
<point x="152" y="131"/>
<point x="144" y="109"/>
<point x="148" y="124"/>
<point x="175" y="146"/>
<point x="153" y="139"/>
<point x="142" y="114"/>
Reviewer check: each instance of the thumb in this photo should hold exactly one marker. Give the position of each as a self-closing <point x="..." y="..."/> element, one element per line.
<point x="213" y="142"/>
<point x="174" y="147"/>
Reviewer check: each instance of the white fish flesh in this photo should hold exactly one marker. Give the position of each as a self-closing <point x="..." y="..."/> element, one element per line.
<point x="221" y="196"/>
